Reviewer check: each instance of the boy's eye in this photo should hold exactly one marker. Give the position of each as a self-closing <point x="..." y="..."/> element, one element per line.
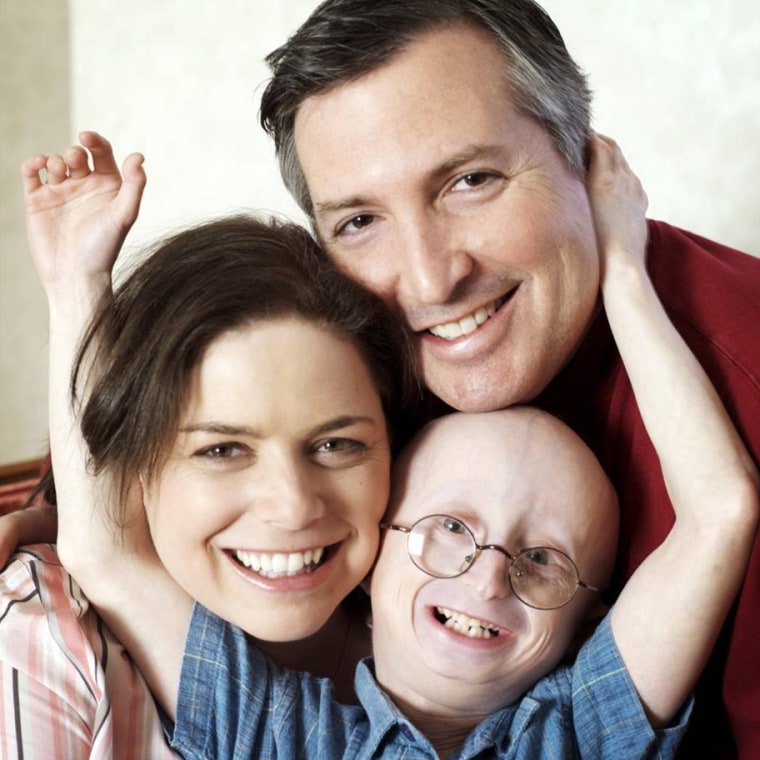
<point x="454" y="526"/>
<point x="538" y="556"/>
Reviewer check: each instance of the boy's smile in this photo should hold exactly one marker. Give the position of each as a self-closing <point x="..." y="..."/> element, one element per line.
<point x="467" y="643"/>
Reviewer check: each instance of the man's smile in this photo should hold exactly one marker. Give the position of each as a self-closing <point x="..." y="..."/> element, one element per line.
<point x="469" y="323"/>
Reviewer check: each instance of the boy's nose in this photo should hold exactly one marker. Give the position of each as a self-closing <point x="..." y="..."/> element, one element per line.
<point x="489" y="575"/>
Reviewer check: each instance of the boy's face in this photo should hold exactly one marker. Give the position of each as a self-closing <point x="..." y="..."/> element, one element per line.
<point x="516" y="478"/>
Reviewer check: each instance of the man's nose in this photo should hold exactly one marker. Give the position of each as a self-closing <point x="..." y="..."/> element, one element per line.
<point x="432" y="262"/>
<point x="489" y="575"/>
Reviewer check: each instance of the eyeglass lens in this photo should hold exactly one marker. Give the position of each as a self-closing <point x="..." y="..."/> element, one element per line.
<point x="444" y="547"/>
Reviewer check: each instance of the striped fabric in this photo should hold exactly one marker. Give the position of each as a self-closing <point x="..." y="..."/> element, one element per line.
<point x="68" y="689"/>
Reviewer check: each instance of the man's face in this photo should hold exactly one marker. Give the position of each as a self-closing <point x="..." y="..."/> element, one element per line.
<point x="516" y="478"/>
<point x="432" y="189"/>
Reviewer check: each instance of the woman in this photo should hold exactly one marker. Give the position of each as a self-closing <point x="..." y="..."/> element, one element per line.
<point x="241" y="389"/>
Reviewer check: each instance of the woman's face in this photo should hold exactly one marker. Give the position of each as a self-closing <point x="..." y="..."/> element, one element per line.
<point x="267" y="508"/>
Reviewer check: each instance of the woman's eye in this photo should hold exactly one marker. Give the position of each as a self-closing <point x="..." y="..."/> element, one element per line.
<point x="222" y="451"/>
<point x="339" y="445"/>
<point x="339" y="452"/>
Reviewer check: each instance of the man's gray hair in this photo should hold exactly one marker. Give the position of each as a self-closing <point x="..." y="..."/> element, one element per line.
<point x="344" y="39"/>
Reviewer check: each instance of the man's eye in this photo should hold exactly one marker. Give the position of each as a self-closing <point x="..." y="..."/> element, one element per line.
<point x="473" y="180"/>
<point x="454" y="526"/>
<point x="355" y="224"/>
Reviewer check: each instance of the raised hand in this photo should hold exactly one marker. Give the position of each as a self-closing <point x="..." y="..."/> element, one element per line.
<point x="710" y="477"/>
<point x="78" y="218"/>
<point x="618" y="203"/>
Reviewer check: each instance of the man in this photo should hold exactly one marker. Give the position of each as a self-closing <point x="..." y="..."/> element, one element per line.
<point x="438" y="147"/>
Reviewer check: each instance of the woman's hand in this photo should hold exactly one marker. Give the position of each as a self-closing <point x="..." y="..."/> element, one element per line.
<point x="76" y="216"/>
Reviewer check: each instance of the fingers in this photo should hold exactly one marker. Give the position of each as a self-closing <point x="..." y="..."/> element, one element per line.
<point x="57" y="168"/>
<point x="77" y="162"/>
<point x="608" y="164"/>
<point x="30" y="173"/>
<point x="131" y="191"/>
<point x="103" y="160"/>
<point x="604" y="152"/>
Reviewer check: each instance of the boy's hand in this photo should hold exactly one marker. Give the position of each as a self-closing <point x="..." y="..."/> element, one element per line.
<point x="618" y="203"/>
<point x="78" y="218"/>
<point x="33" y="525"/>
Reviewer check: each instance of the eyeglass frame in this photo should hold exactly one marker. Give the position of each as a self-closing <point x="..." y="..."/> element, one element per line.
<point x="479" y="548"/>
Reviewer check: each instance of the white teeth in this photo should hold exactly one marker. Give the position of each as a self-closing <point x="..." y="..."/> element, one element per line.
<point x="281" y="564"/>
<point x="466" y="325"/>
<point x="467" y="626"/>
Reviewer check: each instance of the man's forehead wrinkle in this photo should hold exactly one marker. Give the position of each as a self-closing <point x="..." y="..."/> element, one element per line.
<point x="462" y="156"/>
<point x="330" y="207"/>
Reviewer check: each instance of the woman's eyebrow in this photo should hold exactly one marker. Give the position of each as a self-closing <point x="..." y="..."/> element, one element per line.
<point x="344" y="421"/>
<point x="220" y="428"/>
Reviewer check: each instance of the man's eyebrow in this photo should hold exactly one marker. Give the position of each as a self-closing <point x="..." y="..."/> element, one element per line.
<point x="467" y="154"/>
<point x="332" y="207"/>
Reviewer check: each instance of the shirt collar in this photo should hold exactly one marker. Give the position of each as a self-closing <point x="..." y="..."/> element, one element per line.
<point x="496" y="731"/>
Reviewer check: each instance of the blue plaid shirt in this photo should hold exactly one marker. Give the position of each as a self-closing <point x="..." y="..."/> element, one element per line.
<point x="235" y="704"/>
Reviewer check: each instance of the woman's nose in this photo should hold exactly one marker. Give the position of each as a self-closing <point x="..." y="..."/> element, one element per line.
<point x="290" y="496"/>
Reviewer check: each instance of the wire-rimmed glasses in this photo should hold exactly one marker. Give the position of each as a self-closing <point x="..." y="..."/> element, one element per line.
<point x="541" y="577"/>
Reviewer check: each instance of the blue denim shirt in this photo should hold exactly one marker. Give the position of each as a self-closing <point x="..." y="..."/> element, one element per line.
<point x="234" y="704"/>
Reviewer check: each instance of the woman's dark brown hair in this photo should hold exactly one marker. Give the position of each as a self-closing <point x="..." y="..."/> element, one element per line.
<point x="147" y="339"/>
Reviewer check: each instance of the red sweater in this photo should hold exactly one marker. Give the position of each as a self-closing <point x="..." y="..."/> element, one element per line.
<point x="712" y="294"/>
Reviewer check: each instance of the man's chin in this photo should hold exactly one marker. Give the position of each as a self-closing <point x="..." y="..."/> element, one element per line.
<point x="483" y="396"/>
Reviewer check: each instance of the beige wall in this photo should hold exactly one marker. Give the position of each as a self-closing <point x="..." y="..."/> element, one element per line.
<point x="677" y="83"/>
<point x="34" y="112"/>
